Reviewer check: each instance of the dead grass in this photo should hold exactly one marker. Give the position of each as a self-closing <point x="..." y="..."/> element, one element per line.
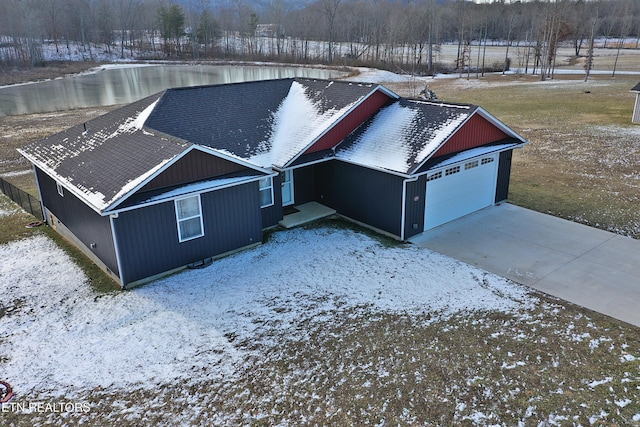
<point x="13" y="224"/>
<point x="52" y="70"/>
<point x="554" y="365"/>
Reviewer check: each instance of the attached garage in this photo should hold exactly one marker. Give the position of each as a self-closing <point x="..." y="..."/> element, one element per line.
<point x="458" y="189"/>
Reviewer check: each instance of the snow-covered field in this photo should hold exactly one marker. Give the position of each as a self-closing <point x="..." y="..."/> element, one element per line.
<point x="323" y="325"/>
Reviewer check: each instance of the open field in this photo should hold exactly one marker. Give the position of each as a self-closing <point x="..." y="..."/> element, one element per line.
<point x="319" y="326"/>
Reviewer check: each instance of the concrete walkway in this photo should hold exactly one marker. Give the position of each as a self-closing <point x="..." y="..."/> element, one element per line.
<point x="586" y="266"/>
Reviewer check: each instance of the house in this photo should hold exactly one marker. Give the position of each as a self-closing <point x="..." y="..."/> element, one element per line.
<point x="194" y="173"/>
<point x="636" y="108"/>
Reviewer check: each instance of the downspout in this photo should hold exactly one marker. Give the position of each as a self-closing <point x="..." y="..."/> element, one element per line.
<point x="44" y="210"/>
<point x="112" y="217"/>
<point x="404" y="204"/>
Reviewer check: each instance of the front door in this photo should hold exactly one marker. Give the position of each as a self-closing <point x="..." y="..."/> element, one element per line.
<point x="286" y="182"/>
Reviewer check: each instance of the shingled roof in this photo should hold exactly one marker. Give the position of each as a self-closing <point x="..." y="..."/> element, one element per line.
<point x="404" y="134"/>
<point x="259" y="124"/>
<point x="265" y="122"/>
<point x="105" y="158"/>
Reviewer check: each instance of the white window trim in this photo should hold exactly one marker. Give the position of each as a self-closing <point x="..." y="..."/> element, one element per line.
<point x="60" y="189"/>
<point x="270" y="187"/>
<point x="179" y="220"/>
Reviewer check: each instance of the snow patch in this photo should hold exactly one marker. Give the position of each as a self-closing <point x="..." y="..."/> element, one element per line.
<point x="185" y="326"/>
<point x="593" y="384"/>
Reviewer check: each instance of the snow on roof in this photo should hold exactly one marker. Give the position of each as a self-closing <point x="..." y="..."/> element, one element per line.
<point x="403" y="134"/>
<point x="138" y="122"/>
<point x="106" y="158"/>
<point x="298" y="121"/>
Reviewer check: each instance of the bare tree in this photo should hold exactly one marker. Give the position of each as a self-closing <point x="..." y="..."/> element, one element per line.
<point x="330" y="8"/>
<point x="594" y="24"/>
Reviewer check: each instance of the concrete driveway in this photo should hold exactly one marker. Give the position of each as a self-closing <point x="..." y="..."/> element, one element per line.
<point x="586" y="266"/>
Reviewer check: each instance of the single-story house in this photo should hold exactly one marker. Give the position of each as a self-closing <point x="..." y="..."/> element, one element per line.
<point x="194" y="173"/>
<point x="636" y="108"/>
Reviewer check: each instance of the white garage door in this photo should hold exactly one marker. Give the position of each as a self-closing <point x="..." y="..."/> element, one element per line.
<point x="459" y="189"/>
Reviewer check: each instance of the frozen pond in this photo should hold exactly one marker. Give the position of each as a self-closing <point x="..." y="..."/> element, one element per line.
<point x="125" y="84"/>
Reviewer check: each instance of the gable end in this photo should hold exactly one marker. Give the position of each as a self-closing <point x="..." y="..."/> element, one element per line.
<point x="475" y="132"/>
<point x="350" y="122"/>
<point x="194" y="166"/>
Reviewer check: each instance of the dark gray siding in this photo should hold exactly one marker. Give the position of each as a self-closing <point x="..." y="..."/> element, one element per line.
<point x="366" y="195"/>
<point x="194" y="166"/>
<point x="414" y="207"/>
<point x="81" y="220"/>
<point x="504" y="175"/>
<point x="148" y="237"/>
<point x="272" y="214"/>
<point x="304" y="185"/>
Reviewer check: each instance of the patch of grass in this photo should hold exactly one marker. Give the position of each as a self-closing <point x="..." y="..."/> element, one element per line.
<point x="553" y="363"/>
<point x="49" y="70"/>
<point x="13" y="225"/>
<point x="18" y="131"/>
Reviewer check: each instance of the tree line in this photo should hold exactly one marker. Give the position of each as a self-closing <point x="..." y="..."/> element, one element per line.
<point x="397" y="35"/>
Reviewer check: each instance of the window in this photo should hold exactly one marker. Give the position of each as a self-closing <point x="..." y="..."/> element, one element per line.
<point x="189" y="217"/>
<point x="60" y="189"/>
<point x="266" y="192"/>
<point x="434" y="176"/>
<point x="452" y="170"/>
<point x="487" y="160"/>
<point x="471" y="165"/>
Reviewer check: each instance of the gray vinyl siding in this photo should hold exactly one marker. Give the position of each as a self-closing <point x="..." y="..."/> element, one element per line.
<point x="504" y="174"/>
<point x="194" y="166"/>
<point x="366" y="195"/>
<point x="414" y="206"/>
<point x="86" y="224"/>
<point x="148" y="237"/>
<point x="272" y="214"/>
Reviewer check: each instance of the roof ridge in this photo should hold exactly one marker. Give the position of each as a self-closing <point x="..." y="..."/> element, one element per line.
<point x="441" y="103"/>
<point x="213" y="85"/>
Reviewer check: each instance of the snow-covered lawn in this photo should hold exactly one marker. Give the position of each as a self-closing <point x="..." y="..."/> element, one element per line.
<point x="323" y="325"/>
